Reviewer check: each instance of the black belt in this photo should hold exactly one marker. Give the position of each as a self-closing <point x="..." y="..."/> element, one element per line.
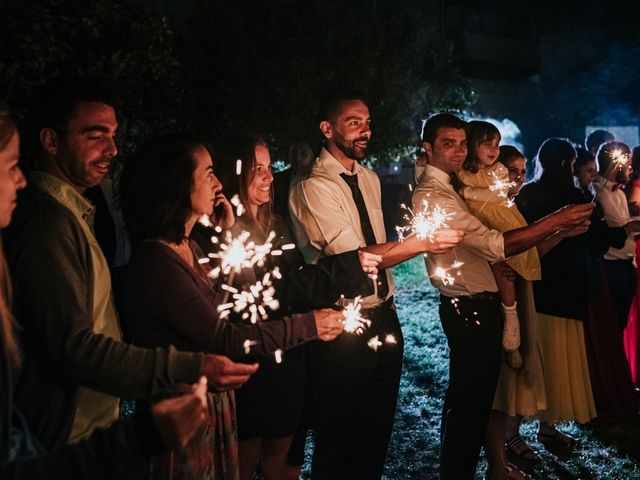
<point x="485" y="296"/>
<point x="387" y="303"/>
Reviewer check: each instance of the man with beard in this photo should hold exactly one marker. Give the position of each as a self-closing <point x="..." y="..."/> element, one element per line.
<point x="614" y="169"/>
<point x="75" y="365"/>
<point x="338" y="209"/>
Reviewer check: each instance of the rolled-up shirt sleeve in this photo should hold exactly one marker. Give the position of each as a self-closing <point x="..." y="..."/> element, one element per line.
<point x="328" y="227"/>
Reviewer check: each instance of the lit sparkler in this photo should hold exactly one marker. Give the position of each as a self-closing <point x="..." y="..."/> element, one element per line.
<point x="353" y="321"/>
<point x="278" y="355"/>
<point x="445" y="275"/>
<point x="501" y="186"/>
<point x="253" y="302"/>
<point x="619" y="160"/>
<point x="235" y="201"/>
<point x="425" y="222"/>
<point x="374" y="343"/>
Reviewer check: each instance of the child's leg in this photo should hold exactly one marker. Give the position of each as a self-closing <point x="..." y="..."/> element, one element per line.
<point x="511" y="331"/>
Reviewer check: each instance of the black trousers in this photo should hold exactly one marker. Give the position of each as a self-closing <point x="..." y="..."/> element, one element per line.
<point x="474" y="332"/>
<point x="356" y="400"/>
<point x="622" y="279"/>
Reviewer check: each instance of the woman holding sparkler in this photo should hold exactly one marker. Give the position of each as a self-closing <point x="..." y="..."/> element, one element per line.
<point x="270" y="407"/>
<point x="165" y="188"/>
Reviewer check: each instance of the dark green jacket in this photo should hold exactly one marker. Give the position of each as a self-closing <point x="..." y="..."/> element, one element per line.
<point x="51" y="266"/>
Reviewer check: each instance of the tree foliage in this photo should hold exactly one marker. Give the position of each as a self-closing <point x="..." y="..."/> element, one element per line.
<point x="253" y="65"/>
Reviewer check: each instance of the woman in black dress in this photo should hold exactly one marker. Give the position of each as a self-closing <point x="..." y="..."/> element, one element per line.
<point x="269" y="407"/>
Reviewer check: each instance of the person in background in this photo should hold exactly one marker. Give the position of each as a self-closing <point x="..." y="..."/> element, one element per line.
<point x="300" y="157"/>
<point x="596" y="138"/>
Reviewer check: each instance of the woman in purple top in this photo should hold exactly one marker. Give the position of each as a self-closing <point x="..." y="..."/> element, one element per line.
<point x="165" y="188"/>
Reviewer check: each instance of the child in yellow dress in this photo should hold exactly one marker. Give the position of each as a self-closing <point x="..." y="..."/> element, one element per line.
<point x="485" y="190"/>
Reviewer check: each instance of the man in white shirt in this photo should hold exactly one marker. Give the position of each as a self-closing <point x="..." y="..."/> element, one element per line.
<point x="614" y="169"/>
<point x="338" y="209"/>
<point x="469" y="306"/>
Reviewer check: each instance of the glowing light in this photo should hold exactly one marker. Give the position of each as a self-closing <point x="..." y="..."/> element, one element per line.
<point x="278" y="355"/>
<point x="500" y="185"/>
<point x="235" y="201"/>
<point x="424" y="223"/>
<point x="353" y="321"/>
<point x="445" y="275"/>
<point x="238" y="167"/>
<point x="252" y="303"/>
<point x="205" y="220"/>
<point x="247" y="346"/>
<point x="390" y="339"/>
<point x="374" y="343"/>
<point x="239" y="252"/>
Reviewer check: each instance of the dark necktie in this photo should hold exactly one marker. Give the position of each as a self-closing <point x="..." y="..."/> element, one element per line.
<point x="367" y="229"/>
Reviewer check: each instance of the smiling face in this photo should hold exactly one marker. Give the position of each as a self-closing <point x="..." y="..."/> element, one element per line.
<point x="449" y="149"/>
<point x="205" y="183"/>
<point x="349" y="132"/>
<point x="259" y="188"/>
<point x="517" y="168"/>
<point x="11" y="179"/>
<point x="82" y="153"/>
<point x="487" y="151"/>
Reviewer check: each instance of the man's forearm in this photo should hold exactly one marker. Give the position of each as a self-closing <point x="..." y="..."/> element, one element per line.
<point x="522" y="239"/>
<point x="393" y="253"/>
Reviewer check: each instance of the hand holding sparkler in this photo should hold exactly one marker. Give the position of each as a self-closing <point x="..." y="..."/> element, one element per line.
<point x="369" y="262"/>
<point x="429" y="225"/>
<point x="354" y="322"/>
<point x="619" y="160"/>
<point x="223" y="374"/>
<point x="329" y="323"/>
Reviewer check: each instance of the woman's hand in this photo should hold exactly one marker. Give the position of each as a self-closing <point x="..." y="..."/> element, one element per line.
<point x="222" y="212"/>
<point x="369" y="263"/>
<point x="329" y="323"/>
<point x="178" y="419"/>
<point x="444" y="239"/>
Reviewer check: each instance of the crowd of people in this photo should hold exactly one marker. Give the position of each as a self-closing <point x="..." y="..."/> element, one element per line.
<point x="118" y="282"/>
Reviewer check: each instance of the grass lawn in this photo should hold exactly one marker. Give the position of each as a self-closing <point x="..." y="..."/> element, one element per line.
<point x="604" y="452"/>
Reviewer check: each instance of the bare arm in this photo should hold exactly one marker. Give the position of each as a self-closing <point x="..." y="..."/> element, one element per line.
<point x="521" y="239"/>
<point x="393" y="253"/>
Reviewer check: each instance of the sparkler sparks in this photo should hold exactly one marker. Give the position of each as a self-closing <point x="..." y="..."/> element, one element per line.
<point x="252" y="303"/>
<point x="501" y="186"/>
<point x="619" y="160"/>
<point x="424" y="223"/>
<point x="353" y="321"/>
<point x="239" y="252"/>
<point x="235" y="201"/>
<point x="278" y="355"/>
<point x="374" y="343"/>
<point x="390" y="339"/>
<point x="247" y="346"/>
<point x="444" y="274"/>
<point x="238" y="167"/>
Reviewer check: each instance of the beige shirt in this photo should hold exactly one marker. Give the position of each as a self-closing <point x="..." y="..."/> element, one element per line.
<point x="480" y="245"/>
<point x="94" y="410"/>
<point x="616" y="214"/>
<point x="325" y="216"/>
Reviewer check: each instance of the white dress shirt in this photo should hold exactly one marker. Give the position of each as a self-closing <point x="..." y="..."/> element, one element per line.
<point x="616" y="213"/>
<point x="325" y="217"/>
<point x="480" y="245"/>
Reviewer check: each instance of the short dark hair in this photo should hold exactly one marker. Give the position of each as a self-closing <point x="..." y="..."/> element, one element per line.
<point x="55" y="103"/>
<point x="596" y="138"/>
<point x="155" y="188"/>
<point x="477" y="132"/>
<point x="438" y="121"/>
<point x="508" y="153"/>
<point x="226" y="152"/>
<point x="554" y="153"/>
<point x="608" y="151"/>
<point x="331" y="101"/>
<point x="7" y="125"/>
<point x="583" y="156"/>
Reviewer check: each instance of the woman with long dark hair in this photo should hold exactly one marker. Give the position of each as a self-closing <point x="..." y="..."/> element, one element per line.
<point x="270" y="406"/>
